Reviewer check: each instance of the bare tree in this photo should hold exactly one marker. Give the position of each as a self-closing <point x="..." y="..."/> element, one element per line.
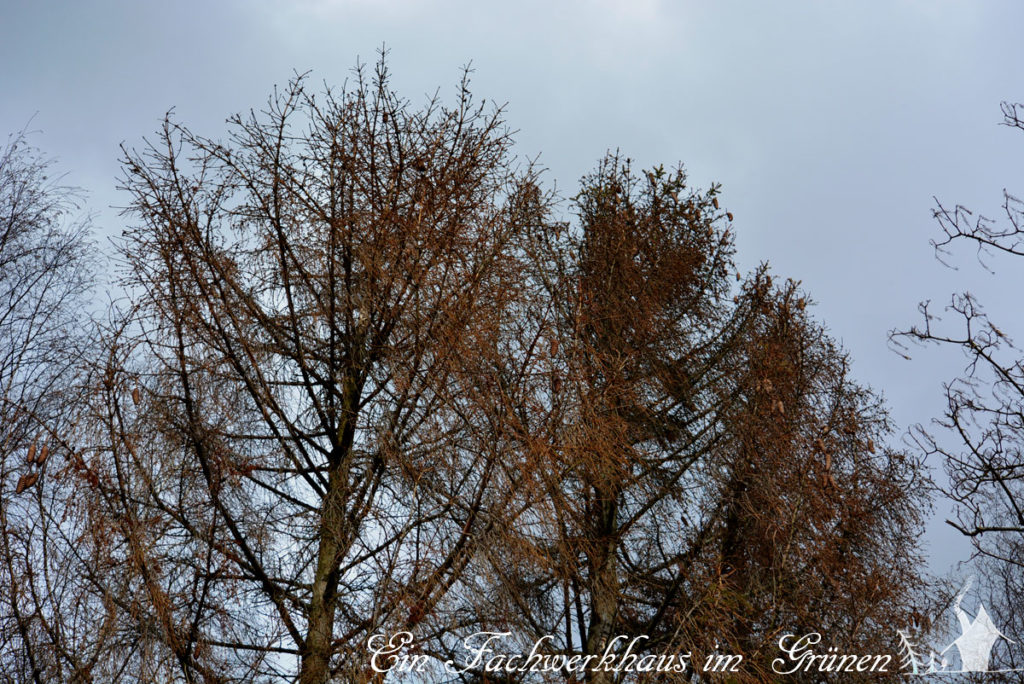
<point x="300" y="442"/>
<point x="981" y="433"/>
<point x="706" y="474"/>
<point x="45" y="264"/>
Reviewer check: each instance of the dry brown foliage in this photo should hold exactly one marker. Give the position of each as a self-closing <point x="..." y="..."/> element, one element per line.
<point x="365" y="381"/>
<point x="706" y="473"/>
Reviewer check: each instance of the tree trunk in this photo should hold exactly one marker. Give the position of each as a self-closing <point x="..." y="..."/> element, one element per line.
<point x="604" y="586"/>
<point x="334" y="540"/>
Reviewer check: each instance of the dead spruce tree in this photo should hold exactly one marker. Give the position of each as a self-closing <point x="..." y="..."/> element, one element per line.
<point x="706" y="474"/>
<point x="299" y="446"/>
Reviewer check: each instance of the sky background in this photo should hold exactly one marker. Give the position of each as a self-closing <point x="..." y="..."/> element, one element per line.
<point x="831" y="126"/>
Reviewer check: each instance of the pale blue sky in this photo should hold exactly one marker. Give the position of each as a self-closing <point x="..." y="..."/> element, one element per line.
<point x="829" y="124"/>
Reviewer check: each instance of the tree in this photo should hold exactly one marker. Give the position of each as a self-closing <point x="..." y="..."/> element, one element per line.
<point x="706" y="473"/>
<point x="981" y="432"/>
<point x="45" y="269"/>
<point x="299" y="445"/>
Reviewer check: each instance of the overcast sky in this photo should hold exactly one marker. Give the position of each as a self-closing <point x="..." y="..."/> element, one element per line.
<point x="830" y="125"/>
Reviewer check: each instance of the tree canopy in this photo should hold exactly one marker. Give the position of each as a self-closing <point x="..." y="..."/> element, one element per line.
<point x="369" y="377"/>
